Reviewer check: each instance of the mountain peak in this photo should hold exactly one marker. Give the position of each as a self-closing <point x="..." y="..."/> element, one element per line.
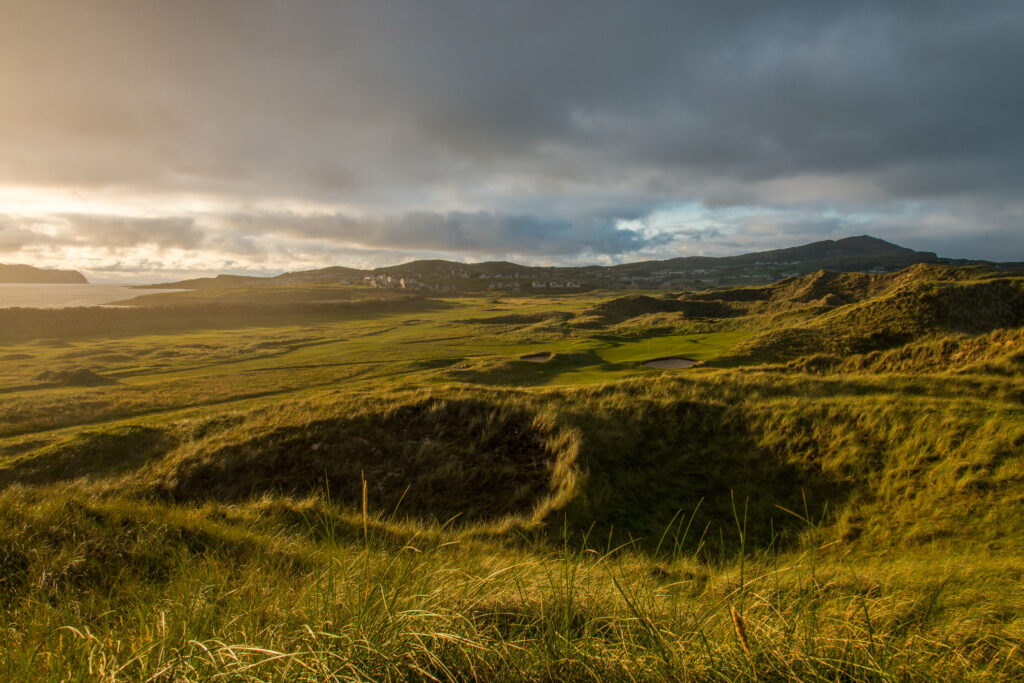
<point x="867" y="243"/>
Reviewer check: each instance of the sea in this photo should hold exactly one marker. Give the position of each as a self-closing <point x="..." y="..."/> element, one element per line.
<point x="64" y="295"/>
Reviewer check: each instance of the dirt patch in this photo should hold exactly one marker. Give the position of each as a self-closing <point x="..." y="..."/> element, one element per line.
<point x="540" y="357"/>
<point x="673" y="363"/>
<point x="16" y="356"/>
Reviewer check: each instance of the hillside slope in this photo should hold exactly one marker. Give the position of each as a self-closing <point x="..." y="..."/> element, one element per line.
<point x="849" y="254"/>
<point x="858" y="314"/>
<point x="22" y="274"/>
<point x="500" y="488"/>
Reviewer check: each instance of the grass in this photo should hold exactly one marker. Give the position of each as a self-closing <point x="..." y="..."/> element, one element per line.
<point x="388" y="492"/>
<point x="285" y="589"/>
<point x="160" y="372"/>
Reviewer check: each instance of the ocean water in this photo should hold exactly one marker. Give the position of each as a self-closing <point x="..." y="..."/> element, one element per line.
<point x="63" y="296"/>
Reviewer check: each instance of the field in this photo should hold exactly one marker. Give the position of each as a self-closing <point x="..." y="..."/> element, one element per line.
<point x="336" y="483"/>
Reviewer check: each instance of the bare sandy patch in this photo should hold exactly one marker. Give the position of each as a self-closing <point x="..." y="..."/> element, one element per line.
<point x="541" y="357"/>
<point x="673" y="363"/>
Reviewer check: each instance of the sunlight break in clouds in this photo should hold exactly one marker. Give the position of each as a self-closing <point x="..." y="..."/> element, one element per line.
<point x="165" y="138"/>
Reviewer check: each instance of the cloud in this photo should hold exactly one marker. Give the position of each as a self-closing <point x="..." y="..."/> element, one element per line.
<point x="265" y="243"/>
<point x="263" y="240"/>
<point x="331" y="99"/>
<point x="524" y="128"/>
<point x="477" y="233"/>
<point x="127" y="231"/>
<point x="13" y="238"/>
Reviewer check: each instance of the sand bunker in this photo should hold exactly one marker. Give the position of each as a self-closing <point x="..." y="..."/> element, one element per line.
<point x="541" y="357"/>
<point x="670" y="363"/>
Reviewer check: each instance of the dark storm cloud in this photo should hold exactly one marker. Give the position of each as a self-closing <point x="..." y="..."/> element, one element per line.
<point x="516" y="127"/>
<point x="340" y="96"/>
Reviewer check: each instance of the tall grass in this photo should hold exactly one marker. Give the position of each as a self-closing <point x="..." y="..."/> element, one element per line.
<point x="853" y="517"/>
<point x="256" y="596"/>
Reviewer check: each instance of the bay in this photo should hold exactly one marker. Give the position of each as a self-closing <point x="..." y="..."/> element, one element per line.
<point x="64" y="295"/>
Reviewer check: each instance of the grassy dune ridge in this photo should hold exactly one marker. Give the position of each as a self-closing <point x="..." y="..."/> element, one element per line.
<point x="395" y="493"/>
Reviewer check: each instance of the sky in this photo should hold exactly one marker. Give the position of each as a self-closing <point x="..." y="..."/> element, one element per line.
<point x="145" y="140"/>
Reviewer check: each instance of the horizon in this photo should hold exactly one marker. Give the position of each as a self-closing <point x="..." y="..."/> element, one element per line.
<point x="279" y="138"/>
<point x="140" y="279"/>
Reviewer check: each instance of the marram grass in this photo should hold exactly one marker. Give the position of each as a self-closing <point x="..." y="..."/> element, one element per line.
<point x="386" y="491"/>
<point x="116" y="590"/>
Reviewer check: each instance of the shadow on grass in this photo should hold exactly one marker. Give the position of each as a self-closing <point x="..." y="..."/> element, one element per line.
<point x="91" y="454"/>
<point x="518" y="372"/>
<point x="467" y="458"/>
<point x="696" y="463"/>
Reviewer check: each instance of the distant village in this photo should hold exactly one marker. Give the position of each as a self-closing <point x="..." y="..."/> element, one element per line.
<point x="451" y="278"/>
<point x="862" y="254"/>
<point x="510" y="282"/>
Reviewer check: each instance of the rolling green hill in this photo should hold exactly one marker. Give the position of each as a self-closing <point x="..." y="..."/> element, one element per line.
<point x="850" y="254"/>
<point x="270" y="483"/>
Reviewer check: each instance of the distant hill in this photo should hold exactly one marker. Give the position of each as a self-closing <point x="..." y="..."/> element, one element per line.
<point x="22" y="274"/>
<point x="331" y="275"/>
<point x="864" y="248"/>
<point x="219" y="282"/>
<point x="851" y="254"/>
